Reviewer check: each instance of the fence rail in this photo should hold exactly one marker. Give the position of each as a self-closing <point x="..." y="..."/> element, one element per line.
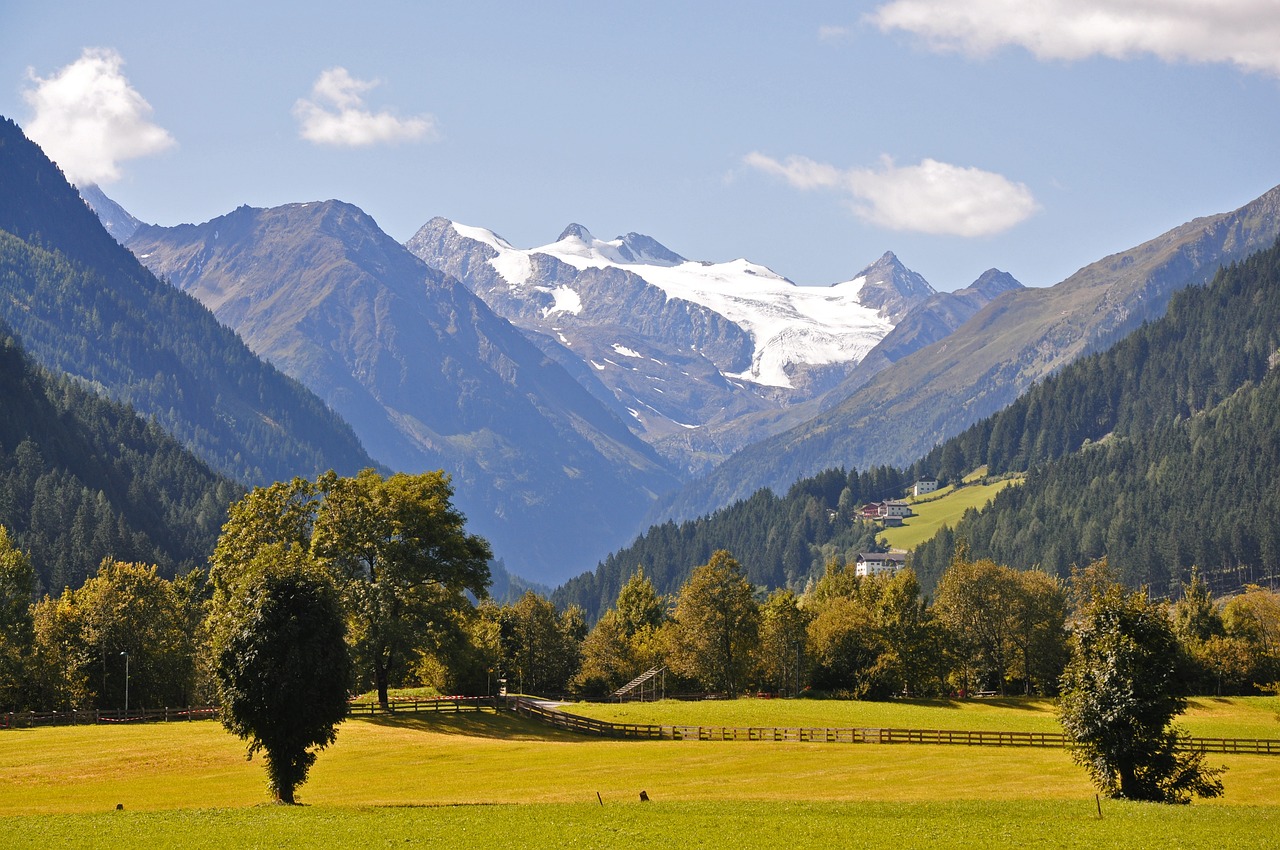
<point x="449" y="705"/>
<point x="855" y="735"/>
<point x="554" y="717"/>
<point x="29" y="719"/>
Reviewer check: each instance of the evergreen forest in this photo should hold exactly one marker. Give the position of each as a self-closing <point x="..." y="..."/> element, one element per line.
<point x="83" y="479"/>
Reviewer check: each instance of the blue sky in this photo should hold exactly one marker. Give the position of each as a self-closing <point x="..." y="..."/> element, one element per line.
<point x="810" y="137"/>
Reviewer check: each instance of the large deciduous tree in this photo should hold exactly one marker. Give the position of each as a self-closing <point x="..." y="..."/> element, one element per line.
<point x="1119" y="697"/>
<point x="402" y="560"/>
<point x="284" y="670"/>
<point x="1003" y="624"/>
<point x="716" y="625"/>
<point x="126" y="608"/>
<point x="395" y="548"/>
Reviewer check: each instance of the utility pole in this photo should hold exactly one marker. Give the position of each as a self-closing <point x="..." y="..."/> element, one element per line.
<point x="126" y="684"/>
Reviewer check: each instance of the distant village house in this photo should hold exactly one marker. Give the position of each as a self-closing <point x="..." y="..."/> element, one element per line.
<point x="894" y="509"/>
<point x="870" y="563"/>
<point x="923" y="486"/>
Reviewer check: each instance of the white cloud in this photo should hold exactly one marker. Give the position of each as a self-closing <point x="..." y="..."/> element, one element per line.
<point x="833" y="32"/>
<point x="336" y="115"/>
<point x="89" y="119"/>
<point x="1245" y="33"/>
<point x="932" y="197"/>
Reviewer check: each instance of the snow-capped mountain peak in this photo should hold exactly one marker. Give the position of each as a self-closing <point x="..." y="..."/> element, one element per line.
<point x="791" y="328"/>
<point x="638" y="248"/>
<point x="577" y="247"/>
<point x="890" y="287"/>
<point x="480" y="234"/>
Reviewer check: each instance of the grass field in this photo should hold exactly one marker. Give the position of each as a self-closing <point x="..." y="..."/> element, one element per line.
<point x="943" y="507"/>
<point x="500" y="781"/>
<point x="894" y="826"/>
<point x="1207" y="717"/>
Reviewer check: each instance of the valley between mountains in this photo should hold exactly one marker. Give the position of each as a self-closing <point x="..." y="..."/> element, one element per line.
<point x="584" y="390"/>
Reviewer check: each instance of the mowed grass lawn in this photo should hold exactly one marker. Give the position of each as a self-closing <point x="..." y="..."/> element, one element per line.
<point x="499" y="781"/>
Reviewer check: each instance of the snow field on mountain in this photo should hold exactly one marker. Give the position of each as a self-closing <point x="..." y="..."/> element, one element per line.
<point x="790" y="325"/>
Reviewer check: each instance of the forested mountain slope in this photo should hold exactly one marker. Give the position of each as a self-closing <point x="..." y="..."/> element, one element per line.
<point x="1160" y="453"/>
<point x="984" y="365"/>
<point x="83" y="478"/>
<point x="82" y="304"/>
<point x="781" y="541"/>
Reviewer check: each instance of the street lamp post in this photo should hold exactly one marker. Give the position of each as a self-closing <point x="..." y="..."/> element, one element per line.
<point x="126" y="684"/>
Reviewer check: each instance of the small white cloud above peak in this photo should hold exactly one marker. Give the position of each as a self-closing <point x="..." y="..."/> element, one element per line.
<point x="932" y="197"/>
<point x="336" y="114"/>
<point x="89" y="118"/>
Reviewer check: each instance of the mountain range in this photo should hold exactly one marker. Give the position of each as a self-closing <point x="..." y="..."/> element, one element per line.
<point x="1018" y="338"/>
<point x="571" y="388"/>
<point x="1160" y="453"/>
<point x="701" y="358"/>
<point x="82" y="305"/>
<point x="425" y="373"/>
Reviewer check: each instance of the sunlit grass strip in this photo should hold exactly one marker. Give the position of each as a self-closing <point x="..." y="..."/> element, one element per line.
<point x="500" y="759"/>
<point x="691" y="824"/>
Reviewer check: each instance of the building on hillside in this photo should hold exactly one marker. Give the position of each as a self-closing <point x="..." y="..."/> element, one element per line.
<point x="891" y="510"/>
<point x="895" y="508"/>
<point x="923" y="486"/>
<point x="870" y="563"/>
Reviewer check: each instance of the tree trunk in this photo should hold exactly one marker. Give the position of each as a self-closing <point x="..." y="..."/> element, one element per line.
<point x="380" y="675"/>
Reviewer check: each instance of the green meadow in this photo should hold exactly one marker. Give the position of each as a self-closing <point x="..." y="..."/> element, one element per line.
<point x="1206" y="717"/>
<point x="942" y="507"/>
<point x="500" y="781"/>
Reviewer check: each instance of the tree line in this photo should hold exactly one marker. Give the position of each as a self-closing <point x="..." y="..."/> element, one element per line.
<point x="411" y="585"/>
<point x="788" y="539"/>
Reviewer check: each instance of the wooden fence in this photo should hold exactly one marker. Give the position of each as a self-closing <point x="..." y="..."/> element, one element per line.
<point x="800" y="734"/>
<point x="449" y="705"/>
<point x="29" y="719"/>
<point x="554" y="717"/>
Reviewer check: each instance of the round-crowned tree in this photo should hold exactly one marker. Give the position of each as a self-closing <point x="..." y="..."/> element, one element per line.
<point x="1119" y="697"/>
<point x="283" y="674"/>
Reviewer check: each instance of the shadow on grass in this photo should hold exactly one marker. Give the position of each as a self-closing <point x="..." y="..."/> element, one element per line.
<point x="1038" y="705"/>
<point x="1035" y="704"/>
<point x="475" y="724"/>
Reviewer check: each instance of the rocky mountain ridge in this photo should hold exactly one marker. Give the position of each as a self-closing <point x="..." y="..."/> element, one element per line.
<point x="425" y="373"/>
<point x="703" y="357"/>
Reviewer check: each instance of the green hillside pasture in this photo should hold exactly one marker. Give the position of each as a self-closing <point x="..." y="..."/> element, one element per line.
<point x="935" y="512"/>
<point x="683" y="825"/>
